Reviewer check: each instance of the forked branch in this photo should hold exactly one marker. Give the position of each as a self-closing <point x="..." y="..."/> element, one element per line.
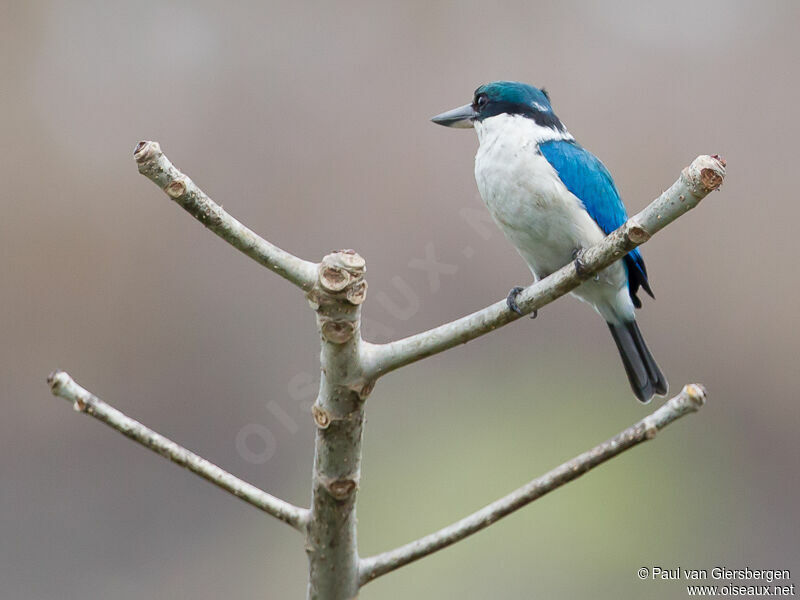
<point x="61" y="384"/>
<point x="691" y="398"/>
<point x="703" y="176"/>
<point x="336" y="288"/>
<point x="157" y="168"/>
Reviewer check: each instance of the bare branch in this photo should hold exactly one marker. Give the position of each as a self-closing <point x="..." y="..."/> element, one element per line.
<point x="338" y="412"/>
<point x="61" y="384"/>
<point x="703" y="176"/>
<point x="691" y="398"/>
<point x="158" y="169"/>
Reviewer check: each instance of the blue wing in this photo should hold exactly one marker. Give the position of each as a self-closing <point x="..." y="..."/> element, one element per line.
<point x="588" y="179"/>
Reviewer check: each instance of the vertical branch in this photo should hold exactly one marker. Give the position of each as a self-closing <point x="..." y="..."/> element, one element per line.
<point x="339" y="416"/>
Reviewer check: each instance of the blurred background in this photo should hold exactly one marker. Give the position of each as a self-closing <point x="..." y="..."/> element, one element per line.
<point x="309" y="122"/>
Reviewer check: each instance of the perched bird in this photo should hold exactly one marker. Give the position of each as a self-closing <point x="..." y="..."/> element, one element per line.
<point x="552" y="198"/>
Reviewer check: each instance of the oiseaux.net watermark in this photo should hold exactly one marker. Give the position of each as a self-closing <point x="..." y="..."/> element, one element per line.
<point x="256" y="443"/>
<point x="724" y="582"/>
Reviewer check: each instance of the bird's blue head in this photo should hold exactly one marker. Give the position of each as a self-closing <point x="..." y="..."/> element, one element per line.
<point x="503" y="97"/>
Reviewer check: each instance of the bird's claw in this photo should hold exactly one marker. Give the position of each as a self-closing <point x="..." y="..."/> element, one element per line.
<point x="511" y="300"/>
<point x="580" y="266"/>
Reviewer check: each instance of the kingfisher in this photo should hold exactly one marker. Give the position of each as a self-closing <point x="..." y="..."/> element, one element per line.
<point x="552" y="199"/>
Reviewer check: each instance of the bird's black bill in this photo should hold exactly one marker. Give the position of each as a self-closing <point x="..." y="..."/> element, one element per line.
<point x="460" y="117"/>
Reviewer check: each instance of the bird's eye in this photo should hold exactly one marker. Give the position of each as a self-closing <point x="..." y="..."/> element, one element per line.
<point x="481" y="101"/>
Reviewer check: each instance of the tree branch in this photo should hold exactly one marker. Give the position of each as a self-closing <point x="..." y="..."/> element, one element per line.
<point x="703" y="176"/>
<point x="61" y="384"/>
<point x="691" y="398"/>
<point x="158" y="169"/>
<point x="336" y="288"/>
<point x="338" y="413"/>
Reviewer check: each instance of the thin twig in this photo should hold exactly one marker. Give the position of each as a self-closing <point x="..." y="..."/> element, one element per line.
<point x="158" y="169"/>
<point x="691" y="398"/>
<point x="84" y="401"/>
<point x="704" y="175"/>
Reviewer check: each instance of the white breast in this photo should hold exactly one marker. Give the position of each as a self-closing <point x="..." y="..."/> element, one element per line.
<point x="530" y="204"/>
<point x="525" y="196"/>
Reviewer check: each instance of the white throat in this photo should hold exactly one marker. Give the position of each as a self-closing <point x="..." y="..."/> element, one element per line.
<point x="516" y="130"/>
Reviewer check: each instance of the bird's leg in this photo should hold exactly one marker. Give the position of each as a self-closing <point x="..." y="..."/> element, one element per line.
<point x="511" y="300"/>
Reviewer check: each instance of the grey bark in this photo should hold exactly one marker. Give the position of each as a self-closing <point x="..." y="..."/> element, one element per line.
<point x="331" y="541"/>
<point x="157" y="168"/>
<point x="61" y="384"/>
<point x="703" y="176"/>
<point x="691" y="398"/>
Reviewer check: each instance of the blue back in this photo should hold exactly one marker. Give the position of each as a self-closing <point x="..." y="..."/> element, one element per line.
<point x="588" y="179"/>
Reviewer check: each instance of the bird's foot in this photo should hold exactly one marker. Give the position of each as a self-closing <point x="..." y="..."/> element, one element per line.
<point x="511" y="300"/>
<point x="580" y="266"/>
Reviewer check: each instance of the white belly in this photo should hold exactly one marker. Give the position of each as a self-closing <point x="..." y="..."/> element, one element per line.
<point x="536" y="212"/>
